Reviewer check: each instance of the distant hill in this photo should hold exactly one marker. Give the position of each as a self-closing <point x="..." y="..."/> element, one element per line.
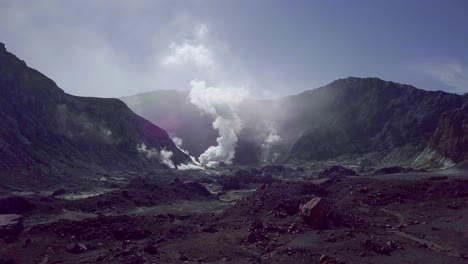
<point x="44" y="131"/>
<point x="369" y="118"/>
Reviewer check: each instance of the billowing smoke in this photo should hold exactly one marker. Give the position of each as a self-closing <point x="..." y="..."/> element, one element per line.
<point x="190" y="166"/>
<point x="195" y="165"/>
<point x="272" y="140"/>
<point x="219" y="102"/>
<point x="164" y="156"/>
<point x="178" y="142"/>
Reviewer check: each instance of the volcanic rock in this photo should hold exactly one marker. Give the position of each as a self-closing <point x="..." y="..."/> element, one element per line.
<point x="313" y="212"/>
<point x="11" y="225"/>
<point x="242" y="178"/>
<point x="15" y="205"/>
<point x="449" y="143"/>
<point x="151" y="248"/>
<point x="337" y="171"/>
<point x="76" y="248"/>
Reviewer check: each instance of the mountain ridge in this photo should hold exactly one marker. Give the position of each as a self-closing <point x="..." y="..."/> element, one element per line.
<point x="47" y="132"/>
<point x="350" y="116"/>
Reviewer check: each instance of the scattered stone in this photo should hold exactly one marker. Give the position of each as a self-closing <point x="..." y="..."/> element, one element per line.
<point x="337" y="171"/>
<point x="151" y="248"/>
<point x="453" y="205"/>
<point x="378" y="248"/>
<point x="210" y="229"/>
<point x="76" y="248"/>
<point x="331" y="238"/>
<point x="325" y="259"/>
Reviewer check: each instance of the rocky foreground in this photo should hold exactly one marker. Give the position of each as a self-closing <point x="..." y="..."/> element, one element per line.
<point x="247" y="216"/>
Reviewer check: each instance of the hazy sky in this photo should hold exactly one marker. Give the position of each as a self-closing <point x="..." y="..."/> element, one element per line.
<point x="116" y="48"/>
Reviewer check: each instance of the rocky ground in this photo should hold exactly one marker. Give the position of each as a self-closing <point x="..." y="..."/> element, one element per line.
<point x="273" y="214"/>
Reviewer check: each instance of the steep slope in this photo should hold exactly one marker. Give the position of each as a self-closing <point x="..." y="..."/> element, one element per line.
<point x="44" y="131"/>
<point x="449" y="143"/>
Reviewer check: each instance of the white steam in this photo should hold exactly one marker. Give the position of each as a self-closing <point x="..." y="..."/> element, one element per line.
<point x="164" y="156"/>
<point x="195" y="165"/>
<point x="220" y="103"/>
<point x="190" y="166"/>
<point x="272" y="140"/>
<point x="178" y="142"/>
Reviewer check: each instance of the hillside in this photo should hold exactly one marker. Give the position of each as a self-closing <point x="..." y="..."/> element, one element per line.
<point x="46" y="132"/>
<point x="367" y="115"/>
<point x="449" y="143"/>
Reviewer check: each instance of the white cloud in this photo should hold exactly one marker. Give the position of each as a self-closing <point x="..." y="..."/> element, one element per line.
<point x="202" y="31"/>
<point x="186" y="53"/>
<point x="454" y="75"/>
<point x="448" y="72"/>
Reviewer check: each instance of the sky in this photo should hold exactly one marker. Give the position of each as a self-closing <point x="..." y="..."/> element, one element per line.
<point x="272" y="48"/>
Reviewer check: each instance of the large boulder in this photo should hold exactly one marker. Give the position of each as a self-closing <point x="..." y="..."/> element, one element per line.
<point x="313" y="213"/>
<point x="11" y="225"/>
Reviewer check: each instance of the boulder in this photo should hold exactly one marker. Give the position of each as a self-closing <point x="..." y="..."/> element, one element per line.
<point x="11" y="225"/>
<point x="76" y="248"/>
<point x="313" y="212"/>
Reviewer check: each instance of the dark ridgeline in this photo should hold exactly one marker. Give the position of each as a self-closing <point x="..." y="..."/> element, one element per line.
<point x="368" y="115"/>
<point x="45" y="132"/>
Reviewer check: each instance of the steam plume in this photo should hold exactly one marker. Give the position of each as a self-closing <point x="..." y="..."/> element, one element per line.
<point x="220" y="103"/>
<point x="165" y="156"/>
<point x="273" y="139"/>
<point x="195" y="165"/>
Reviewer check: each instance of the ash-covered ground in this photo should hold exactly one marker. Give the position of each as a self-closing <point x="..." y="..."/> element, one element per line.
<point x="270" y="214"/>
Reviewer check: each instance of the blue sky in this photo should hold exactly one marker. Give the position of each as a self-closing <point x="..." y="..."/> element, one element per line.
<point x="273" y="48"/>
